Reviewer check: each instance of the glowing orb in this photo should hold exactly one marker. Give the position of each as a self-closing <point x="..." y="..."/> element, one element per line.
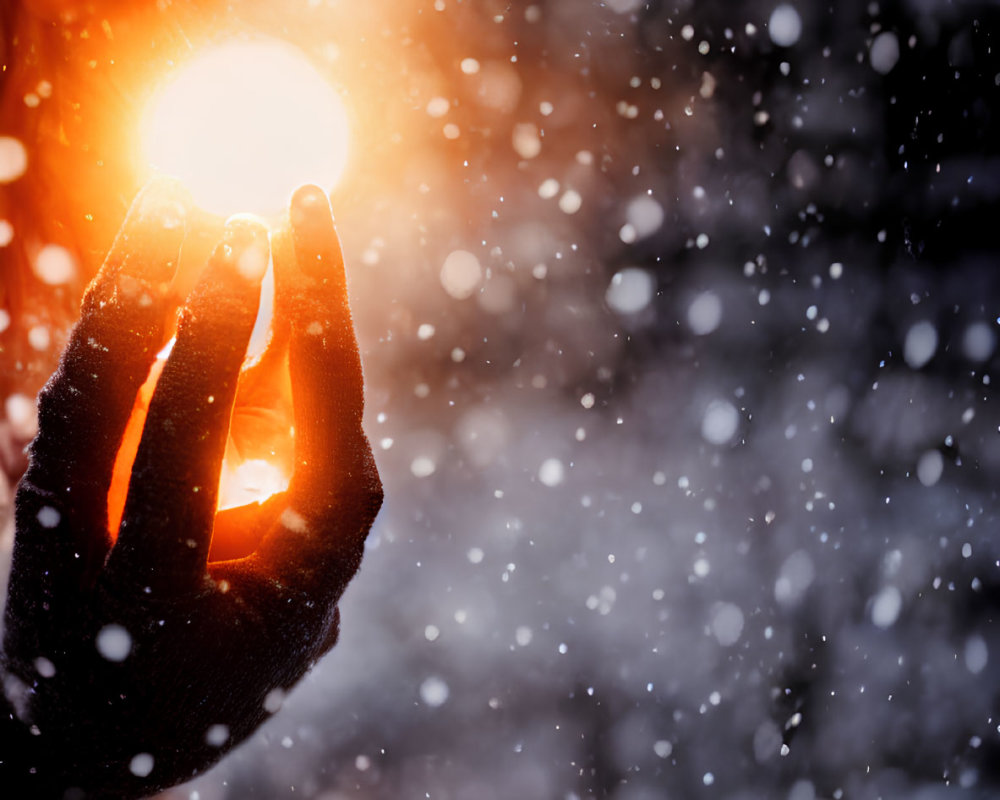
<point x="246" y="124"/>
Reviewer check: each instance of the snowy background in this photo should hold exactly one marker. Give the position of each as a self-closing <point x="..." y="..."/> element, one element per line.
<point x="679" y="321"/>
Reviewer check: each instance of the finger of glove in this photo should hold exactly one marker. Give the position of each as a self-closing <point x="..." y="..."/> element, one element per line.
<point x="334" y="493"/>
<point x="83" y="410"/>
<point x="166" y="528"/>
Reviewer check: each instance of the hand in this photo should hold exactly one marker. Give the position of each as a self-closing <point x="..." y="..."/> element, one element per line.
<point x="133" y="662"/>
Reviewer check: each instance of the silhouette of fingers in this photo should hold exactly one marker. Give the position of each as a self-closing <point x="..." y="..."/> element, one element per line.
<point x="84" y="407"/>
<point x="167" y="523"/>
<point x="334" y="491"/>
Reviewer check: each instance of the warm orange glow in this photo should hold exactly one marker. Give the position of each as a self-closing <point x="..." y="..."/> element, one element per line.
<point x="243" y="480"/>
<point x="128" y="448"/>
<point x="246" y="124"/>
<point x="253" y="481"/>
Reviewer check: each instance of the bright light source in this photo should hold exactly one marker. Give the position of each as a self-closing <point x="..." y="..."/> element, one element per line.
<point x="253" y="481"/>
<point x="246" y="124"/>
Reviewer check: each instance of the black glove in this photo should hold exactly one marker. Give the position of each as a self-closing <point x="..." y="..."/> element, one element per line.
<point x="131" y="662"/>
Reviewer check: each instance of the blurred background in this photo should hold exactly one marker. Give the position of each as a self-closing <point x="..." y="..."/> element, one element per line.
<point x="679" y="322"/>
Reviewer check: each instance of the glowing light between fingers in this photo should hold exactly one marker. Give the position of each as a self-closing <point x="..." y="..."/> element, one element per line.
<point x="246" y="124"/>
<point x="253" y="481"/>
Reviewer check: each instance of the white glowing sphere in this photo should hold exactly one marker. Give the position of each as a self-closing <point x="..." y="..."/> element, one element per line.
<point x="244" y="125"/>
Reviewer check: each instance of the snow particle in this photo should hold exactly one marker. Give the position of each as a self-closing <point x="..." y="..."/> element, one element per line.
<point x="886" y="607"/>
<point x="552" y="472"/>
<point x="663" y="748"/>
<point x="920" y="344"/>
<point x="785" y="25"/>
<point x="570" y="202"/>
<point x="548" y="188"/>
<point x="705" y="313"/>
<point x="22" y="415"/>
<point x="217" y="735"/>
<point x="979" y="341"/>
<point x="727" y="624"/>
<point x="470" y="66"/>
<point x="719" y="422"/>
<point x="976" y="654"/>
<point x="794" y="578"/>
<point x="630" y="290"/>
<point x="437" y="107"/>
<point x="141" y="765"/>
<point x="423" y="467"/>
<point x="54" y="265"/>
<point x="48" y="517"/>
<point x="603" y="602"/>
<point x="644" y="215"/>
<point x="930" y="467"/>
<point x="114" y="643"/>
<point x="434" y="691"/>
<point x="13" y="159"/>
<point x="461" y="274"/>
<point x="526" y="141"/>
<point x="884" y="52"/>
<point x="431" y="633"/>
<point x="523" y="636"/>
<point x="45" y="667"/>
<point x="39" y="337"/>
<point x="274" y="700"/>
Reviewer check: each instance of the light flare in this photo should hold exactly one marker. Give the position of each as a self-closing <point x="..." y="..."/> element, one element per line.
<point x="253" y="481"/>
<point x="244" y="125"/>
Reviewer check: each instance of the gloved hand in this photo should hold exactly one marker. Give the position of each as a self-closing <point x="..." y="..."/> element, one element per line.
<point x="130" y="661"/>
